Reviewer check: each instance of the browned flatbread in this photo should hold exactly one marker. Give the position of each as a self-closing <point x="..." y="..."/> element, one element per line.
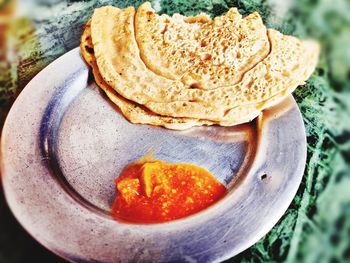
<point x="289" y="64"/>
<point x="180" y="72"/>
<point x="136" y="113"/>
<point x="133" y="112"/>
<point x="199" y="51"/>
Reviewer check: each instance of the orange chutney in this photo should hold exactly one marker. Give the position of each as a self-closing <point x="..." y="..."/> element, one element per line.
<point x="155" y="191"/>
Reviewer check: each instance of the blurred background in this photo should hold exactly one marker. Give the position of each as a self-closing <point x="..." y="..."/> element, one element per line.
<point x="316" y="227"/>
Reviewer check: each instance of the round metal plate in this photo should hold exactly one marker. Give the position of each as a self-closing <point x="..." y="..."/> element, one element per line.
<point x="64" y="143"/>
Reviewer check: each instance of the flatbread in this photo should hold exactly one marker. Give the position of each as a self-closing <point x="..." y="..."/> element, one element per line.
<point x="138" y="114"/>
<point x="133" y="112"/>
<point x="201" y="52"/>
<point x="289" y="63"/>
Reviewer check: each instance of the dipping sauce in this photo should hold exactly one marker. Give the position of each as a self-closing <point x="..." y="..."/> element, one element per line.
<point x="155" y="191"/>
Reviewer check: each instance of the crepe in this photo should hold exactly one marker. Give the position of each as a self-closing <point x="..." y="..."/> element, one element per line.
<point x="288" y="64"/>
<point x="179" y="72"/>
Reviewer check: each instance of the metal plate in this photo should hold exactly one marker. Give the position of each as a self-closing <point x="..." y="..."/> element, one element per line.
<point x="64" y="143"/>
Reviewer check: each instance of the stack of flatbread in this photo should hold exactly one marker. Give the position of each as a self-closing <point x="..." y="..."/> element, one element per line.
<point x="179" y="72"/>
